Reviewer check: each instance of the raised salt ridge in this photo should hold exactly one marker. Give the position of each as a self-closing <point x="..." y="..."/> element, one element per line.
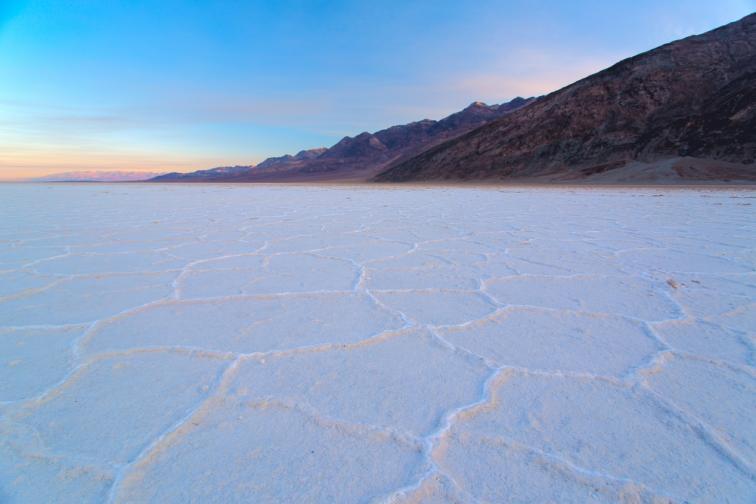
<point x="224" y="344"/>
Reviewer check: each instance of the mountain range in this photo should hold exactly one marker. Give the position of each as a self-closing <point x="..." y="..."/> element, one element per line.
<point x="359" y="157"/>
<point x="683" y="112"/>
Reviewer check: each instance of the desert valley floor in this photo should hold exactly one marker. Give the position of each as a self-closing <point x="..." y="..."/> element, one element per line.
<point x="218" y="344"/>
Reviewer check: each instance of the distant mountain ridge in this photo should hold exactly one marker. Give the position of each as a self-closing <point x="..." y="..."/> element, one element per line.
<point x="97" y="176"/>
<point x="359" y="157"/>
<point x="203" y="174"/>
<point x="683" y="111"/>
<point x="300" y="156"/>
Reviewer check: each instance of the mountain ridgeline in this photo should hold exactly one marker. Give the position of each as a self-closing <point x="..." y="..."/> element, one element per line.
<point x="360" y="157"/>
<point x="683" y="111"/>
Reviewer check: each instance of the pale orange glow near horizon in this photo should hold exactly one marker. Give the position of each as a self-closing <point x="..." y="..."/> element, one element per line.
<point x="21" y="165"/>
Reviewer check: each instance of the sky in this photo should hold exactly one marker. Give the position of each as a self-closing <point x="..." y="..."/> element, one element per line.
<point x="170" y="85"/>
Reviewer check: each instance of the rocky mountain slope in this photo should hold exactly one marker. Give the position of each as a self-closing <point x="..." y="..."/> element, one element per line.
<point x="686" y="110"/>
<point x="200" y="175"/>
<point x="359" y="157"/>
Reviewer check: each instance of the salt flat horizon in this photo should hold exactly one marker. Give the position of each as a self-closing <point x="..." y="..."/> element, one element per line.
<point x="430" y="184"/>
<point x="372" y="343"/>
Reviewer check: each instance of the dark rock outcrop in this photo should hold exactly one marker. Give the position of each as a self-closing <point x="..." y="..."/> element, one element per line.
<point x="690" y="102"/>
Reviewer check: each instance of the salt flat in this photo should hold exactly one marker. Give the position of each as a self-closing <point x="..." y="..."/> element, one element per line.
<point x="208" y="343"/>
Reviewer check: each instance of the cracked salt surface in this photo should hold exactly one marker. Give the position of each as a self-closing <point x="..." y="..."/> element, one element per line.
<point x="208" y="343"/>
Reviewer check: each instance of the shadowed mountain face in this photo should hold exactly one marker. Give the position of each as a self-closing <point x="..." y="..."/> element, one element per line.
<point x="288" y="158"/>
<point x="360" y="157"/>
<point x="223" y="171"/>
<point x="688" y="107"/>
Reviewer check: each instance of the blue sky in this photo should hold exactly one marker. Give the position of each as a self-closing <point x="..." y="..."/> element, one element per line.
<point x="180" y="85"/>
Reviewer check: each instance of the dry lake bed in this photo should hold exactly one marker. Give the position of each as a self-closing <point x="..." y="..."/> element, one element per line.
<point x="219" y="344"/>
